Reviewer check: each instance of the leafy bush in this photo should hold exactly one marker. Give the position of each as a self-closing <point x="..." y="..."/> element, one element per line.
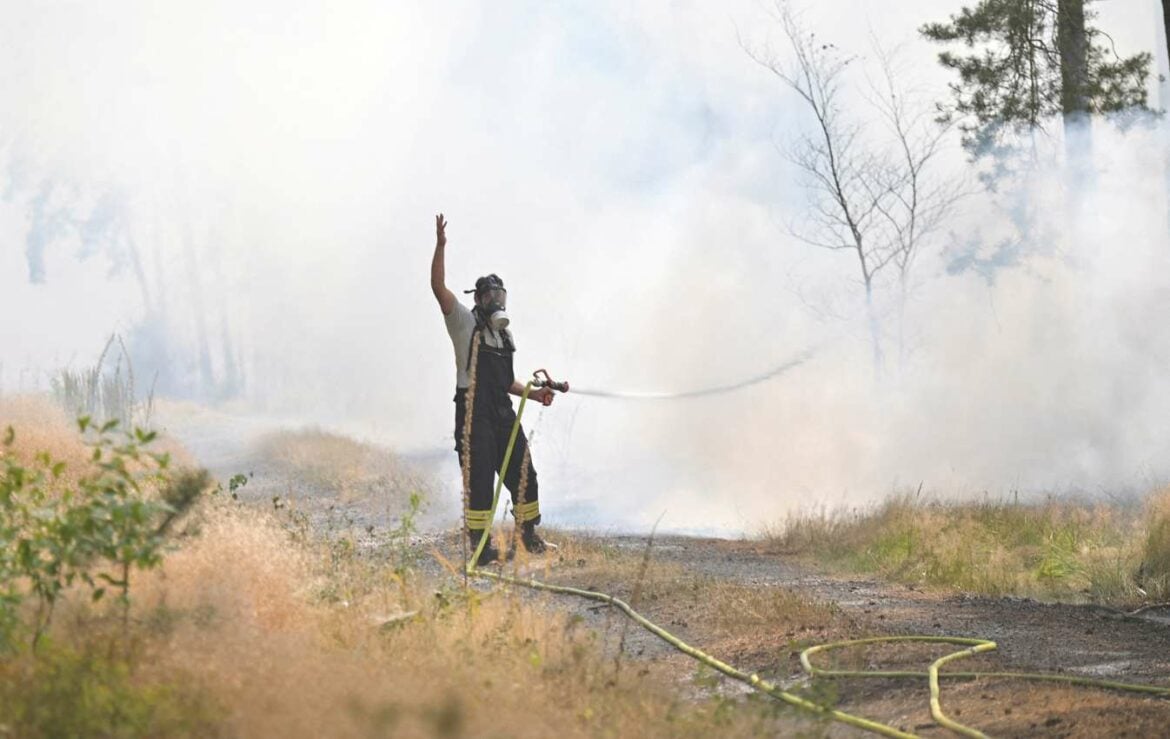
<point x="94" y="533"/>
<point x="69" y="693"/>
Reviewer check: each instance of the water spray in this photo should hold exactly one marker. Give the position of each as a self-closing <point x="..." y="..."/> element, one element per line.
<point x="776" y="371"/>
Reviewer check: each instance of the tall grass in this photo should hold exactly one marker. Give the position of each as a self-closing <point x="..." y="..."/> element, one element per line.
<point x="1154" y="572"/>
<point x="1096" y="551"/>
<point x="104" y="393"/>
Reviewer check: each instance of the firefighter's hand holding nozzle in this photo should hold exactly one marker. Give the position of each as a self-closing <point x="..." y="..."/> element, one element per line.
<point x="544" y="395"/>
<point x="545" y="386"/>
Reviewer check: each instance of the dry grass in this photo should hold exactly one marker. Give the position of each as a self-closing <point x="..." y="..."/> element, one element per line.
<point x="1154" y="572"/>
<point x="1062" y="550"/>
<point x="729" y="614"/>
<point x="239" y="613"/>
<point x="41" y="426"/>
<point x="338" y="465"/>
<point x="245" y="631"/>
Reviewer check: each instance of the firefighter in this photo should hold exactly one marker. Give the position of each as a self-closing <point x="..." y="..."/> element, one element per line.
<point x="492" y="415"/>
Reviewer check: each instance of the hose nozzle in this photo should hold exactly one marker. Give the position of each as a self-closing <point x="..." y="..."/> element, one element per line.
<point x="540" y="378"/>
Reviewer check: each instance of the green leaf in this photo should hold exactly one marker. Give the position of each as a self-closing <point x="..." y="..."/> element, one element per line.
<point x="9" y="436"/>
<point x="97" y="594"/>
<point x="83" y="423"/>
<point x="57" y="469"/>
<point x="109" y="425"/>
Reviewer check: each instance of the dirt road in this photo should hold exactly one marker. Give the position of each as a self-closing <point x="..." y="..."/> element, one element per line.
<point x="1032" y="637"/>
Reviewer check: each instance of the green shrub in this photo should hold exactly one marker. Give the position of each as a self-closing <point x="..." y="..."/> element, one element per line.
<point x="94" y="533"/>
<point x="64" y="693"/>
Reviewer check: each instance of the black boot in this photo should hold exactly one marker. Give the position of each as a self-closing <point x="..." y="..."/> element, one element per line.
<point x="489" y="554"/>
<point x="532" y="541"/>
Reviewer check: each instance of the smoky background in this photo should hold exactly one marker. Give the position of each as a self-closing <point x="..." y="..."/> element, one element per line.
<point x="246" y="193"/>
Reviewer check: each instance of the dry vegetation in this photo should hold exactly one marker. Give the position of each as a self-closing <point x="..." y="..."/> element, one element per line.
<point x="255" y="625"/>
<point x="248" y="628"/>
<point x="43" y="427"/>
<point x="755" y="626"/>
<point x="338" y="465"/>
<point x="718" y="605"/>
<point x="1117" y="554"/>
<point x="263" y="630"/>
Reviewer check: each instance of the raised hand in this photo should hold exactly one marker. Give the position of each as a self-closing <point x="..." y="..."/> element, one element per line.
<point x="445" y="297"/>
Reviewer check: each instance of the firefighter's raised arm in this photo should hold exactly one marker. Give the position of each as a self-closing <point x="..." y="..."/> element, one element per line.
<point x="445" y="297"/>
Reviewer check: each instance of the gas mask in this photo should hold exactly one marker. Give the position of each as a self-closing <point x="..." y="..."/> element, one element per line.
<point x="493" y="302"/>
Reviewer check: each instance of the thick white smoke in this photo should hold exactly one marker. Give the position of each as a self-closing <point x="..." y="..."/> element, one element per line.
<point x="259" y="181"/>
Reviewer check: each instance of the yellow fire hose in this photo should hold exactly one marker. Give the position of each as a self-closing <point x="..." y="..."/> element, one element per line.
<point x="971" y="646"/>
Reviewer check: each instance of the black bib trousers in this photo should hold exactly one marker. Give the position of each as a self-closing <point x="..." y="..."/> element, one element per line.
<point x="491" y="425"/>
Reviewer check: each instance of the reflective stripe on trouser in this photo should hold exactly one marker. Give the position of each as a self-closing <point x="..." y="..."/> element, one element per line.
<point x="479" y="520"/>
<point x="489" y="441"/>
<point x="491" y="428"/>
<point x="527" y="511"/>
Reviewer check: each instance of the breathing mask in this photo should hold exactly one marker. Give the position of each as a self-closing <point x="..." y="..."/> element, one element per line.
<point x="492" y="300"/>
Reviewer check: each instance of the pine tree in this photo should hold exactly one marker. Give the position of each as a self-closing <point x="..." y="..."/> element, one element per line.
<point x="1029" y="62"/>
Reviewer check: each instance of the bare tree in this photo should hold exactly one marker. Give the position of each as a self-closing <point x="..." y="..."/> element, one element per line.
<point x="922" y="198"/>
<point x="872" y="194"/>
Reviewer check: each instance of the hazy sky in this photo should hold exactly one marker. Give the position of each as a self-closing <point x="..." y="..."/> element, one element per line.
<point x="279" y="166"/>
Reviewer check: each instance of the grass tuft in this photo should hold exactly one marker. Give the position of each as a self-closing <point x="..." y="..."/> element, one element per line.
<point x="1154" y="573"/>
<point x="1066" y="550"/>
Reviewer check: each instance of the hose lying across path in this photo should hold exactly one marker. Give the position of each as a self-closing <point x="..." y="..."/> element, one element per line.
<point x="971" y="646"/>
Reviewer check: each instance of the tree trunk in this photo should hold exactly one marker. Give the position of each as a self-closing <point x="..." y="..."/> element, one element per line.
<point x="875" y="334"/>
<point x="232" y="383"/>
<point x="1072" y="42"/>
<point x="903" y="296"/>
<point x="1163" y="53"/>
<point x="1162" y="73"/>
<point x="207" y="382"/>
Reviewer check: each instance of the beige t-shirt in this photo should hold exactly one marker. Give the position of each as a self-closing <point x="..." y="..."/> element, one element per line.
<point x="460" y="325"/>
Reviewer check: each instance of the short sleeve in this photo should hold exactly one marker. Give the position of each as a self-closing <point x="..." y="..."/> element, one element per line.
<point x="460" y="325"/>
